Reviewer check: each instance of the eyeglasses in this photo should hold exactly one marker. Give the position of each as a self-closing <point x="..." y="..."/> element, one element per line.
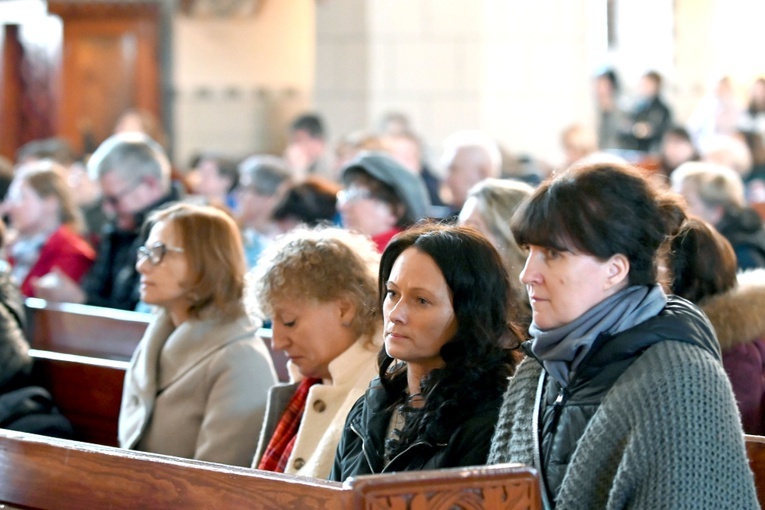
<point x="353" y="194"/>
<point x="114" y="200"/>
<point x="156" y="252"/>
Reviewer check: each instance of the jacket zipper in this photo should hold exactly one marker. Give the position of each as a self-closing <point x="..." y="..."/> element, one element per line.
<point x="537" y="427"/>
<point x="363" y="448"/>
<point x="418" y="443"/>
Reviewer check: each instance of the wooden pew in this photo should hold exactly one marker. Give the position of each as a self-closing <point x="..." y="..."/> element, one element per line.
<point x="84" y="330"/>
<point x="86" y="390"/>
<point x="101" y="332"/>
<point x="755" y="450"/>
<point x="45" y="473"/>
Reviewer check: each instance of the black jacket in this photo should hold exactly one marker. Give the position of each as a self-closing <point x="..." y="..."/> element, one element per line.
<point x="15" y="363"/>
<point x="361" y="447"/>
<point x="657" y="116"/>
<point x="112" y="281"/>
<point x="565" y="412"/>
<point x="745" y="232"/>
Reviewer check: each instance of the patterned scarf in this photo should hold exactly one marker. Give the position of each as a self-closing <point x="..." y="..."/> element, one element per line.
<point x="282" y="442"/>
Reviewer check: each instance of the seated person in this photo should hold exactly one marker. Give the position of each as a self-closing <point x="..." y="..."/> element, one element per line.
<point x="715" y="193"/>
<point x="47" y="225"/>
<point x="134" y="175"/>
<point x="15" y="362"/>
<point x="488" y="208"/>
<point x="22" y="407"/>
<point x="213" y="179"/>
<point x="263" y="180"/>
<point x="445" y="299"/>
<point x="381" y="198"/>
<point x="310" y="203"/>
<point x="622" y="401"/>
<point x="197" y="383"/>
<point x="318" y="288"/>
<point x="703" y="269"/>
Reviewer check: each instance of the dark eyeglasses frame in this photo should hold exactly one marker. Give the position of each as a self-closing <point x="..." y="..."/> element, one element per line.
<point x="156" y="252"/>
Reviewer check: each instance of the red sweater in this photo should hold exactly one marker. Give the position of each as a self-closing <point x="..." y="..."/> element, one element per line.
<point x="64" y="249"/>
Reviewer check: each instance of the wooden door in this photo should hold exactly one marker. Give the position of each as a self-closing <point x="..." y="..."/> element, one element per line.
<point x="110" y="63"/>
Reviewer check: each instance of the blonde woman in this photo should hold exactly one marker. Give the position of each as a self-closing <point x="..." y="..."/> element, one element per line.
<point x="489" y="206"/>
<point x="319" y="287"/>
<point x="46" y="225"/>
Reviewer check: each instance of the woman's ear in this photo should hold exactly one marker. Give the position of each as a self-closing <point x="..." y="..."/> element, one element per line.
<point x="618" y="271"/>
<point x="347" y="309"/>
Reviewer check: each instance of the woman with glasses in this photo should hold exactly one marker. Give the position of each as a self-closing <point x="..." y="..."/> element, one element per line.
<point x="197" y="383"/>
<point x="46" y="228"/>
<point x="381" y="198"/>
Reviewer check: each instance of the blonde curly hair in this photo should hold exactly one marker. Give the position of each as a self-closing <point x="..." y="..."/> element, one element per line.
<point x="320" y="264"/>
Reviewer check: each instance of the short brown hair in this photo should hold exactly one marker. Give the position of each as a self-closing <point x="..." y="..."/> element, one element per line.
<point x="320" y="264"/>
<point x="213" y="248"/>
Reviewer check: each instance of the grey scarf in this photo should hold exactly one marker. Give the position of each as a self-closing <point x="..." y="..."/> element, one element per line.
<point x="562" y="349"/>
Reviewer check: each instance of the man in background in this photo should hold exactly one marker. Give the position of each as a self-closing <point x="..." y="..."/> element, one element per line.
<point x="134" y="174"/>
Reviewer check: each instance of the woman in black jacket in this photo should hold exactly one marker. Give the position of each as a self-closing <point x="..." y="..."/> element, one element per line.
<point x="445" y="299"/>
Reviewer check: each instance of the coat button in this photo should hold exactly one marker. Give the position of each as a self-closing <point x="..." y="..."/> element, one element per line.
<point x="299" y="463"/>
<point x="319" y="406"/>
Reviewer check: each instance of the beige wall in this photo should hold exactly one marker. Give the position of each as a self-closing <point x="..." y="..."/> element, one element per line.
<point x="238" y="81"/>
<point x="520" y="71"/>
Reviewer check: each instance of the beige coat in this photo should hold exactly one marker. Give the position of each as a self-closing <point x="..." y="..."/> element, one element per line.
<point x="197" y="391"/>
<point x="326" y="408"/>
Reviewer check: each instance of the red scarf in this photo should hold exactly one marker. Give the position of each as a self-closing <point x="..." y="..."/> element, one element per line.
<point x="282" y="442"/>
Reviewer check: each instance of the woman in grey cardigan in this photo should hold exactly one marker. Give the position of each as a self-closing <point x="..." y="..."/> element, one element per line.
<point x="622" y="401"/>
<point x="198" y="380"/>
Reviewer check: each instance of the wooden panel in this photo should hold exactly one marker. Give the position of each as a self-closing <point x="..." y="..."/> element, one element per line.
<point x="85" y="330"/>
<point x="110" y="63"/>
<point x="755" y="450"/>
<point x="10" y="91"/>
<point x="502" y="487"/>
<point x="87" y="391"/>
<point x="45" y="473"/>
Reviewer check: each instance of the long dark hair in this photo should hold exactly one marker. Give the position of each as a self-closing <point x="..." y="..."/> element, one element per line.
<point x="480" y="357"/>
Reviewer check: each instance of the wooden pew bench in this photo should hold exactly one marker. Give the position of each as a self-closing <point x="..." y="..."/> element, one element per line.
<point x="86" y="390"/>
<point x="84" y="330"/>
<point x="101" y="332"/>
<point x="45" y="473"/>
<point x="755" y="450"/>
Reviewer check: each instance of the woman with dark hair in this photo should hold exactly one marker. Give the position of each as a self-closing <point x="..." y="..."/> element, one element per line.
<point x="703" y="267"/>
<point x="311" y="202"/>
<point x="445" y="299"/>
<point x="622" y="401"/>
